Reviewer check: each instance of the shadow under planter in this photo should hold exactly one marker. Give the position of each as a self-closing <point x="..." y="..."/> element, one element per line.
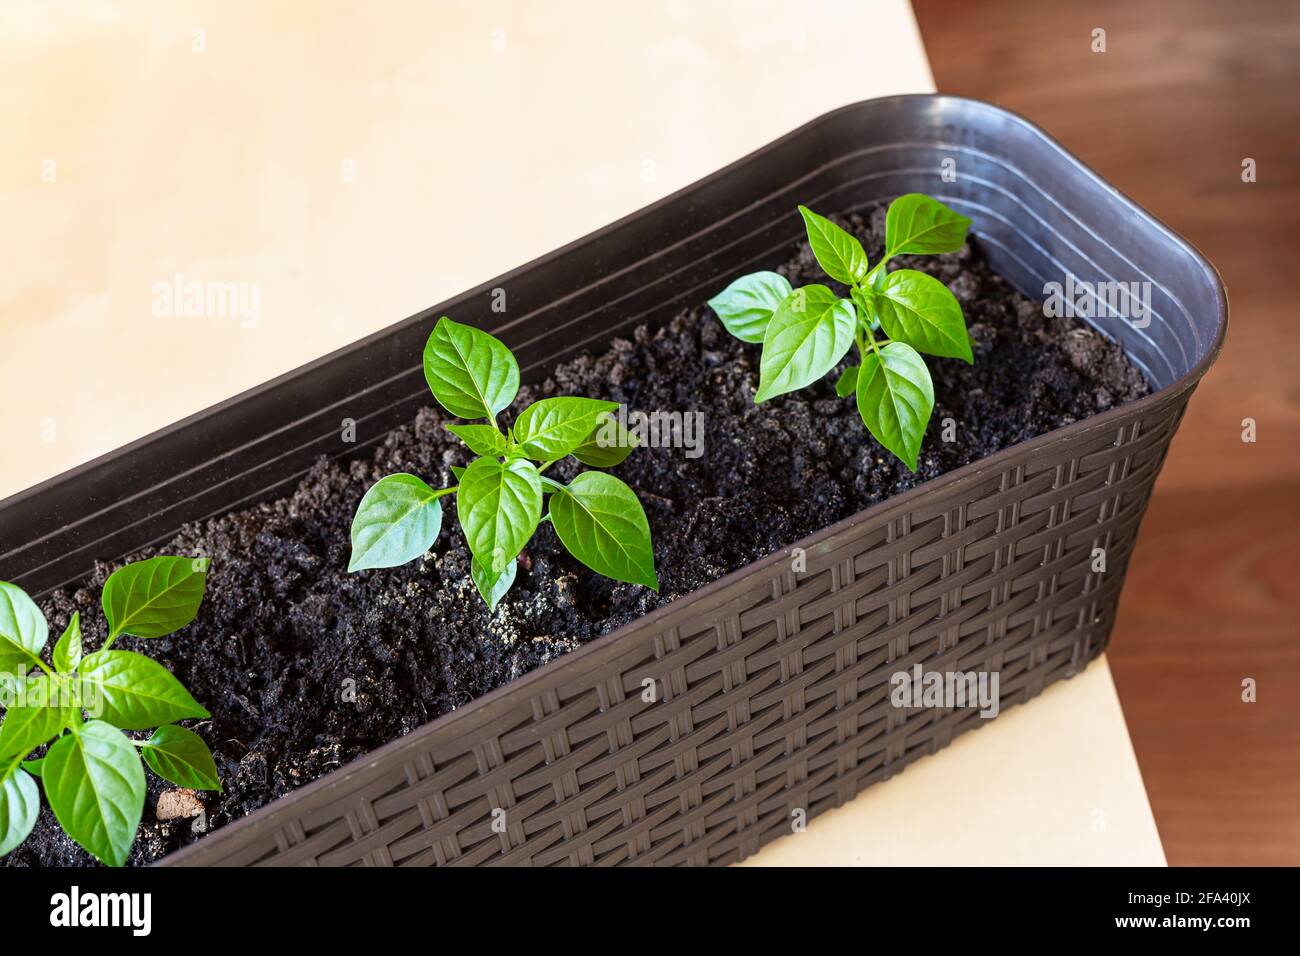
<point x="772" y="687"/>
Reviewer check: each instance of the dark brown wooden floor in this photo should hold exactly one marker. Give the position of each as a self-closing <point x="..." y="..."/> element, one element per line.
<point x="1184" y="92"/>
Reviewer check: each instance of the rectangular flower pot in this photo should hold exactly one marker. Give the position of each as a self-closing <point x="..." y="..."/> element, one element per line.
<point x="694" y="734"/>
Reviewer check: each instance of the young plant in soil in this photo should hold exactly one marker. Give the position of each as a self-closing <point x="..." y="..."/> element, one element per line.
<point x="806" y="332"/>
<point x="500" y="495"/>
<point x="93" y="778"/>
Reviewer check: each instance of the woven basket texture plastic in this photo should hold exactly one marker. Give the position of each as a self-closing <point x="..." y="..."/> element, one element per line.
<point x="774" y="691"/>
<point x="698" y="733"/>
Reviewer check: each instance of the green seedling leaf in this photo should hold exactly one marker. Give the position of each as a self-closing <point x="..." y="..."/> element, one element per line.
<point x="608" y="445"/>
<point x="153" y="598"/>
<point x="806" y="338"/>
<point x="918" y="309"/>
<point x="554" y="427"/>
<point x="895" y="398"/>
<point x="181" y="756"/>
<point x="837" y="251"/>
<point x="493" y="585"/>
<point x="134" y="692"/>
<point x="600" y="521"/>
<point x="918" y="225"/>
<point x="397" y="521"/>
<point x="480" y="439"/>
<point x="808" y="334"/>
<point x="94" y="781"/>
<point x="95" y="785"/>
<point x="471" y="374"/>
<point x="499" y="506"/>
<point x="39" y="708"/>
<point x="67" y="652"/>
<point x="20" y="805"/>
<point x="746" y="306"/>
<point x="866" y="304"/>
<point x="499" y="502"/>
<point x="847" y="383"/>
<point x="23" y="630"/>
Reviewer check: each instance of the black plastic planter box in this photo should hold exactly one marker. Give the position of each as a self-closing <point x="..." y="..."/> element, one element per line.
<point x="772" y="685"/>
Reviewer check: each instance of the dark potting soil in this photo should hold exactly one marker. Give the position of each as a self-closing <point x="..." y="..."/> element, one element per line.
<point x="306" y="667"/>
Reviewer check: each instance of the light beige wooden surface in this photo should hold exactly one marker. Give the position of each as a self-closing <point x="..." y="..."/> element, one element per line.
<point x="355" y="163"/>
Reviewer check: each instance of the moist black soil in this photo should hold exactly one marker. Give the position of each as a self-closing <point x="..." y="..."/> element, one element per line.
<point x="306" y="667"/>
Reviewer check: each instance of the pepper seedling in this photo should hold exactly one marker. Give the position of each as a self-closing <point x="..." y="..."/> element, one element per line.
<point x="806" y="332"/>
<point x="92" y="774"/>
<point x="501" y="495"/>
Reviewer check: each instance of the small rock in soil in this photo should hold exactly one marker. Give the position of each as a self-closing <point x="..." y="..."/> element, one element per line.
<point x="178" y="804"/>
